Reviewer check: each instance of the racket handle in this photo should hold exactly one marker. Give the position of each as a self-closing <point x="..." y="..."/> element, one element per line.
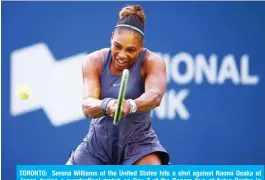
<point x="117" y="116"/>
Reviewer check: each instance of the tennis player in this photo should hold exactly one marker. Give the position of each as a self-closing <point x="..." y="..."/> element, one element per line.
<point x="132" y="141"/>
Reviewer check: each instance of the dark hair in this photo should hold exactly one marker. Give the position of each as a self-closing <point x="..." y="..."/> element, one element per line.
<point x="132" y="15"/>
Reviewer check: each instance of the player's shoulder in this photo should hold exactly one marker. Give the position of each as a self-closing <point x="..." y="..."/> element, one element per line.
<point x="152" y="57"/>
<point x="96" y="57"/>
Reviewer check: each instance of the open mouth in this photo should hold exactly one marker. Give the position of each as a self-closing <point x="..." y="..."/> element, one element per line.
<point x="122" y="62"/>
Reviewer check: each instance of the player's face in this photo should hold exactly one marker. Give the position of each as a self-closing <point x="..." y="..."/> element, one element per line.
<point x="125" y="47"/>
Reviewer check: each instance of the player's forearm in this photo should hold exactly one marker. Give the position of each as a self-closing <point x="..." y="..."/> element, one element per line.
<point x="92" y="108"/>
<point x="148" y="100"/>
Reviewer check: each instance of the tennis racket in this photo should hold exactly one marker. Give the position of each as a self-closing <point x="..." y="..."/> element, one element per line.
<point x="121" y="96"/>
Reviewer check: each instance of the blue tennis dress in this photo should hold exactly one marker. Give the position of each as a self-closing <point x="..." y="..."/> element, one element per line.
<point x="132" y="138"/>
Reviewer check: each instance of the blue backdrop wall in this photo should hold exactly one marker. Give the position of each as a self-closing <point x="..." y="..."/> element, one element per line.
<point x="212" y="112"/>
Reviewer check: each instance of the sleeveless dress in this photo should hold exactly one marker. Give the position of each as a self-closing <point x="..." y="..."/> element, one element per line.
<point x="133" y="138"/>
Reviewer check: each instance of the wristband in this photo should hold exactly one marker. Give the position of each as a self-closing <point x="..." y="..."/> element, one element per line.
<point x="104" y="104"/>
<point x="133" y="107"/>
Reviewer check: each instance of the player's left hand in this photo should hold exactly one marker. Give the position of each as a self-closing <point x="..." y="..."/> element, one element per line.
<point x="111" y="107"/>
<point x="125" y="108"/>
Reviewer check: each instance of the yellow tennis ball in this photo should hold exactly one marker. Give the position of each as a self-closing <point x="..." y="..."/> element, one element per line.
<point x="23" y="92"/>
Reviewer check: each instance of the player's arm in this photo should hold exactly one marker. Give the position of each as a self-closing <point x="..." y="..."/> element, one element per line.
<point x="91" y="69"/>
<point x="155" y="83"/>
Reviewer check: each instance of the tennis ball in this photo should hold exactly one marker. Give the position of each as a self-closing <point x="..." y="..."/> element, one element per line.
<point x="23" y="92"/>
